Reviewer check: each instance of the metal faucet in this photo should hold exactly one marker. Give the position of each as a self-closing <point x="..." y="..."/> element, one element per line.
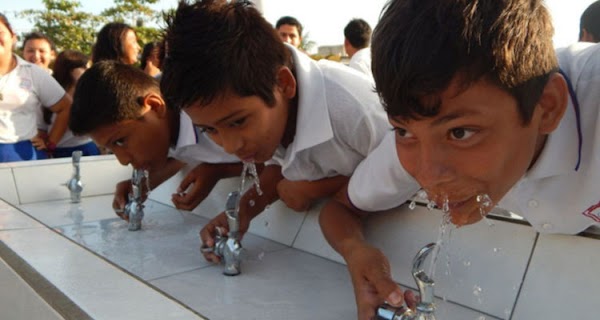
<point x="229" y="247"/>
<point x="74" y="184"/>
<point x="134" y="209"/>
<point x="425" y="308"/>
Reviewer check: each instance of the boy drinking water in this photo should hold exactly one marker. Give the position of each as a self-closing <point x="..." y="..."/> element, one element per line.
<point x="121" y="108"/>
<point x="479" y="107"/>
<point x="265" y="102"/>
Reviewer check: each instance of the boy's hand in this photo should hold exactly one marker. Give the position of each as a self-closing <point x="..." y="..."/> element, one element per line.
<point x="372" y="281"/>
<point x="291" y="193"/>
<point x="39" y="142"/>
<point x="122" y="191"/>
<point x="219" y="226"/>
<point x="194" y="188"/>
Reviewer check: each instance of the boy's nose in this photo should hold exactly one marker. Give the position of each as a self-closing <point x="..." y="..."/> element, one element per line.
<point x="433" y="167"/>
<point x="230" y="143"/>
<point x="123" y="157"/>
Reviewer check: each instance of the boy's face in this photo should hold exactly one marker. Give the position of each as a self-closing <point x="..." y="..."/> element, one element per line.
<point x="248" y="127"/>
<point x="143" y="142"/>
<point x="289" y="34"/>
<point x="475" y="145"/>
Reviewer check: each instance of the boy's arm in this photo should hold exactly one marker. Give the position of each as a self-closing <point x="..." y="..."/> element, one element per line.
<point x="369" y="269"/>
<point x="199" y="182"/>
<point x="156" y="177"/>
<point x="299" y="195"/>
<point x="251" y="205"/>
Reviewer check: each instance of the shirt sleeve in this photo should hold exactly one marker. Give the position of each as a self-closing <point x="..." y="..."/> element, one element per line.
<point x="47" y="88"/>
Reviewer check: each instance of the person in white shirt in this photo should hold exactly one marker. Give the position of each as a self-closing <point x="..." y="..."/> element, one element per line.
<point x="357" y="37"/>
<point x="473" y="115"/>
<point x="310" y="122"/>
<point x="24" y="89"/>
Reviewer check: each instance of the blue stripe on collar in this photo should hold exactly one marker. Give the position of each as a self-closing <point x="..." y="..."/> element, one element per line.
<point x="577" y="115"/>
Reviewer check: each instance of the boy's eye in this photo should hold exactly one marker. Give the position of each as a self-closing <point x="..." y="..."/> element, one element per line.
<point x="402" y="133"/>
<point x="461" y="133"/>
<point x="208" y="130"/>
<point x="119" y="142"/>
<point x="238" y="122"/>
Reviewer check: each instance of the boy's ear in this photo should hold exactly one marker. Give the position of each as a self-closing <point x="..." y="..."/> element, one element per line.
<point x="553" y="103"/>
<point x="286" y="82"/>
<point x="153" y="101"/>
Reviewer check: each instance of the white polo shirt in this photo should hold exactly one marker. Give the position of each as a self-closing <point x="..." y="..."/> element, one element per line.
<point x="552" y="196"/>
<point x="361" y="61"/>
<point x="24" y="91"/>
<point x="194" y="147"/>
<point x="339" y="121"/>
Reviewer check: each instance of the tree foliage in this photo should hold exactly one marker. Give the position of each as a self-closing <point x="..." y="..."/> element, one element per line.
<point x="69" y="27"/>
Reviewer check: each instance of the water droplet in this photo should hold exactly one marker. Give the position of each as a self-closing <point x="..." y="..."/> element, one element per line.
<point x="430" y="205"/>
<point x="268" y="207"/>
<point x="496" y="250"/>
<point x="507" y="313"/>
<point x="422" y="195"/>
<point x="481" y="318"/>
<point x="266" y="223"/>
<point x="412" y="205"/>
<point x="477" y="290"/>
<point x="446" y="206"/>
<point x="484" y="201"/>
<point x="467" y="263"/>
<point x="251" y="203"/>
<point x="261" y="255"/>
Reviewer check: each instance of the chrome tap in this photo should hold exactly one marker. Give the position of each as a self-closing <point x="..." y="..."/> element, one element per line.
<point x="229" y="247"/>
<point x="74" y="184"/>
<point x="134" y="208"/>
<point x="425" y="308"/>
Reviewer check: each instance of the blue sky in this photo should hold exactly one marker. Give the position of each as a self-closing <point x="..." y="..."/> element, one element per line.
<point x="324" y="20"/>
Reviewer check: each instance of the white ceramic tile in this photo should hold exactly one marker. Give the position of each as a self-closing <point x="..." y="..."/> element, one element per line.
<point x="19" y="301"/>
<point x="481" y="268"/>
<point x="12" y="218"/>
<point x="311" y="239"/>
<point x="562" y="281"/>
<point x="8" y="191"/>
<point x="63" y="212"/>
<point x="167" y="244"/>
<point x="98" y="288"/>
<point x="45" y="181"/>
<point x="288" y="284"/>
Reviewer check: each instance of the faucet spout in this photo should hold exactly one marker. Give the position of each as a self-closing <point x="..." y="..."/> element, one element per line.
<point x="229" y="247"/>
<point x="426" y="307"/>
<point x="134" y="208"/>
<point x="74" y="184"/>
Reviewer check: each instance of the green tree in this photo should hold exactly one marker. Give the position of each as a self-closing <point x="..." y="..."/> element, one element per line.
<point x="65" y="23"/>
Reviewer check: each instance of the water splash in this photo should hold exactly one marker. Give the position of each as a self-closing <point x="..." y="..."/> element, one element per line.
<point x="412" y="205"/>
<point x="441" y="234"/>
<point x="422" y="195"/>
<point x="146" y="175"/>
<point x="485" y="204"/>
<point x="477" y="291"/>
<point x="430" y="205"/>
<point x="249" y="169"/>
<point x="251" y="203"/>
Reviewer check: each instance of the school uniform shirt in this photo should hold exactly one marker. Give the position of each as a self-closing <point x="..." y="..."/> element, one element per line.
<point x="194" y="147"/>
<point x="339" y="121"/>
<point x="361" y="61"/>
<point x="24" y="90"/>
<point x="552" y="195"/>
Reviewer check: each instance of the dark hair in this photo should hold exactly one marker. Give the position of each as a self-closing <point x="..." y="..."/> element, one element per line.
<point x="109" y="42"/>
<point x="358" y="33"/>
<point x="107" y="93"/>
<point x="4" y="21"/>
<point x="590" y="21"/>
<point x="214" y="47"/>
<point x="66" y="62"/>
<point x="290" y="21"/>
<point x="420" y="46"/>
<point x="38" y="36"/>
<point x="152" y="49"/>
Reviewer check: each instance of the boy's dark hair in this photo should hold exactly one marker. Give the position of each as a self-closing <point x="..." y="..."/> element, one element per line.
<point x="38" y="36"/>
<point x="420" y="46"/>
<point x="214" y="47"/>
<point x="590" y="21"/>
<point x="107" y="93"/>
<point x="358" y="33"/>
<point x="289" y="21"/>
<point x="66" y="62"/>
<point x="109" y="42"/>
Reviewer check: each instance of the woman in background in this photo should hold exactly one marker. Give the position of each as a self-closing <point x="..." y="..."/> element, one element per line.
<point x="116" y="41"/>
<point x="24" y="88"/>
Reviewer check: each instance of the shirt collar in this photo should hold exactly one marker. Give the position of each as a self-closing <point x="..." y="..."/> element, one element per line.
<point x="188" y="133"/>
<point x="313" y="124"/>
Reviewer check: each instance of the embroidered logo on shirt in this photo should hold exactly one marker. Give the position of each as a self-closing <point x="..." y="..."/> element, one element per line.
<point x="593" y="212"/>
<point x="25" y="84"/>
